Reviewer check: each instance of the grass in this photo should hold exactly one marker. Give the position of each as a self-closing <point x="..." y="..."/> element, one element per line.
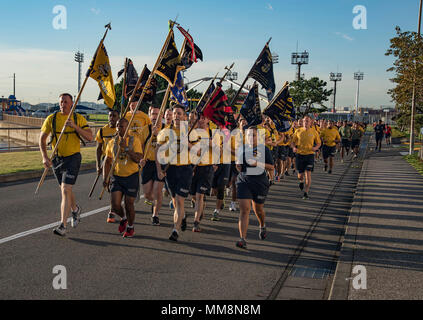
<point x="99" y="117"/>
<point x="397" y="133"/>
<point x="415" y="162"/>
<point x="13" y="162"/>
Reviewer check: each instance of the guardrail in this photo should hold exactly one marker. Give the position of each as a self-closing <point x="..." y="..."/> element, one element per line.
<point x="26" y="138"/>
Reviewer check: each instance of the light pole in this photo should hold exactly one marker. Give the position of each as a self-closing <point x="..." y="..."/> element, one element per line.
<point x="335" y="77"/>
<point x="357" y="76"/>
<point x="232" y="76"/>
<point x="275" y="58"/>
<point x="299" y="58"/>
<point x="79" y="57"/>
<point x="413" y="95"/>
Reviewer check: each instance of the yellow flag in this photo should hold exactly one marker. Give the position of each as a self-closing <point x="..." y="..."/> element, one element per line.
<point x="101" y="72"/>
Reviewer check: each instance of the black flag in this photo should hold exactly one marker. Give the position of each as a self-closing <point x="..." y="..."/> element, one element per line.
<point x="262" y="71"/>
<point x="250" y="110"/>
<point x="281" y="110"/>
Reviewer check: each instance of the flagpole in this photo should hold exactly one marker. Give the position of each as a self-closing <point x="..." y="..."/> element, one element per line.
<point x="159" y="59"/>
<point x="248" y="75"/>
<point x="108" y="27"/>
<point x="122" y="97"/>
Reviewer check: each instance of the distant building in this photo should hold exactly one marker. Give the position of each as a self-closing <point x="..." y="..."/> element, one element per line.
<point x="11" y="105"/>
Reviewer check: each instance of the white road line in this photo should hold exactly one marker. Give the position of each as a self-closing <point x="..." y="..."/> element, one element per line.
<point x="51" y="225"/>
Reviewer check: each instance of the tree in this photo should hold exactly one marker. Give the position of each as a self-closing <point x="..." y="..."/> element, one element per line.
<point x="305" y="93"/>
<point x="230" y="93"/>
<point x="118" y="90"/>
<point x="407" y="48"/>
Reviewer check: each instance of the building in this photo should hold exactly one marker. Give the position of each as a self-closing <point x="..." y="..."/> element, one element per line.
<point x="11" y="105"/>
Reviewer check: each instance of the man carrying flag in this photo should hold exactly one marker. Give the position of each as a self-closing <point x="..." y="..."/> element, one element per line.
<point x="281" y="110"/>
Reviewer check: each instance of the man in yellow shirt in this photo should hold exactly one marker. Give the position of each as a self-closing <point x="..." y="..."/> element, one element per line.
<point x="104" y="135"/>
<point x="140" y="119"/>
<point x="125" y="179"/>
<point x="179" y="173"/>
<point x="67" y="161"/>
<point x="305" y="143"/>
<point x="330" y="137"/>
<point x="151" y="184"/>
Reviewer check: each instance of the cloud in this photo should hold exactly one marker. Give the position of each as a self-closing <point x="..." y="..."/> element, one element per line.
<point x="345" y="36"/>
<point x="269" y="7"/>
<point x="95" y="11"/>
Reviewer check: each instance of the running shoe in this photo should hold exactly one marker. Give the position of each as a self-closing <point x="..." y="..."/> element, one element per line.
<point x="148" y="202"/>
<point x="196" y="227"/>
<point x="76" y="216"/>
<point x="184" y="224"/>
<point x="171" y="205"/>
<point x="241" y="243"/>
<point x="293" y="171"/>
<point x="215" y="216"/>
<point x="233" y="206"/>
<point x="301" y="185"/>
<point x="111" y="218"/>
<point x="129" y="233"/>
<point x="155" y="221"/>
<point x="305" y="197"/>
<point x="174" y="236"/>
<point x="122" y="225"/>
<point x="287" y="173"/>
<point x="263" y="233"/>
<point x="330" y="171"/>
<point x="60" y="230"/>
<point x="326" y="168"/>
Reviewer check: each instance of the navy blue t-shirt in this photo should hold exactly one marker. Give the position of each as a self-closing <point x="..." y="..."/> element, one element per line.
<point x="255" y="178"/>
<point x="379" y="129"/>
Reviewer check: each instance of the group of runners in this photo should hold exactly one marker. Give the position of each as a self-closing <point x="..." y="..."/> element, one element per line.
<point x="257" y="157"/>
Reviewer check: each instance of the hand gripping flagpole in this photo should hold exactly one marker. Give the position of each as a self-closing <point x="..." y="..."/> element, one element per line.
<point x="158" y="61"/>
<point x="248" y="75"/>
<point x="108" y="27"/>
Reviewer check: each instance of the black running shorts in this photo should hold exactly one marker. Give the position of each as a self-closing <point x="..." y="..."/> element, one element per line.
<point x="149" y="172"/>
<point x="179" y="179"/>
<point x="127" y="185"/>
<point x="251" y="190"/>
<point x="346" y="143"/>
<point x="328" y="151"/>
<point x="221" y="176"/>
<point x="66" y="169"/>
<point x="304" y="162"/>
<point x="201" y="180"/>
<point x="355" y="143"/>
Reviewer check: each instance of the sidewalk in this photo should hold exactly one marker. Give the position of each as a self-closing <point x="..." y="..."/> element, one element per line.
<point x="385" y="231"/>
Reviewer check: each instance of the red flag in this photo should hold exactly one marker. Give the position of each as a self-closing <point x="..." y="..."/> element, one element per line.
<point x="190" y="40"/>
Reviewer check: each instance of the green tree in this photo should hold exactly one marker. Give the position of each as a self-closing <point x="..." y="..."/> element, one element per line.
<point x="305" y="93"/>
<point x="407" y="49"/>
<point x="118" y="90"/>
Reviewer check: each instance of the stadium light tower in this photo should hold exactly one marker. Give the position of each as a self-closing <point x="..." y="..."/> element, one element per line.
<point x="79" y="58"/>
<point x="335" y="77"/>
<point x="232" y="76"/>
<point x="275" y="58"/>
<point x="357" y="76"/>
<point x="299" y="58"/>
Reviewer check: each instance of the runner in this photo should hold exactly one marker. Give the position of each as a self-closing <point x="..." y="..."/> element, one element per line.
<point x="305" y="143"/>
<point x="179" y="175"/>
<point x="356" y="135"/>
<point x="203" y="170"/>
<point x="330" y="138"/>
<point x="151" y="184"/>
<point x="345" y="133"/>
<point x="67" y="161"/>
<point x="104" y="135"/>
<point x="388" y="132"/>
<point x="252" y="188"/>
<point x="125" y="179"/>
<point x="379" y="130"/>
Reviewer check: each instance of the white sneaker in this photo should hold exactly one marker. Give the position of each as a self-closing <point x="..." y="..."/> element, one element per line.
<point x="232" y="207"/>
<point x="76" y="217"/>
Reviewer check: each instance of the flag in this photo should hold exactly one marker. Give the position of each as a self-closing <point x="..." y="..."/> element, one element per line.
<point x="217" y="109"/>
<point x="131" y="78"/>
<point x="209" y="91"/>
<point x="281" y="110"/>
<point x="187" y="54"/>
<point x="262" y="71"/>
<point x="101" y="72"/>
<point x="170" y="63"/>
<point x="131" y="82"/>
<point x="250" y="109"/>
<point x="190" y="41"/>
<point x="178" y="92"/>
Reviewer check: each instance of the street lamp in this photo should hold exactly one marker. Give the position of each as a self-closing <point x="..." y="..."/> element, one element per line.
<point x="357" y="76"/>
<point x="335" y="77"/>
<point x="79" y="58"/>
<point x="299" y="58"/>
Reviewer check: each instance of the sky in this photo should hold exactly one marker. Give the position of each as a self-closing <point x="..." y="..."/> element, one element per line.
<point x="39" y="47"/>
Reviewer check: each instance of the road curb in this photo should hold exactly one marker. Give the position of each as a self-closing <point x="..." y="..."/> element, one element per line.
<point x="343" y="272"/>
<point x="27" y="175"/>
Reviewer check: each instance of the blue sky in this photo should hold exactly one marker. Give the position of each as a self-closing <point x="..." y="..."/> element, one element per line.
<point x="226" y="31"/>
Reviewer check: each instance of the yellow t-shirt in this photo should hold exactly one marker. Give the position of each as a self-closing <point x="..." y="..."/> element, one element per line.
<point x="140" y="121"/>
<point x="108" y="134"/>
<point x="69" y="143"/>
<point x="201" y="136"/>
<point x="329" y="136"/>
<point x="163" y="138"/>
<point x="124" y="165"/>
<point x="305" y="140"/>
<point x="147" y="133"/>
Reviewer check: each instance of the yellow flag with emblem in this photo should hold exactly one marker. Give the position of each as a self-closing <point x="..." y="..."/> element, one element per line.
<point x="101" y="71"/>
